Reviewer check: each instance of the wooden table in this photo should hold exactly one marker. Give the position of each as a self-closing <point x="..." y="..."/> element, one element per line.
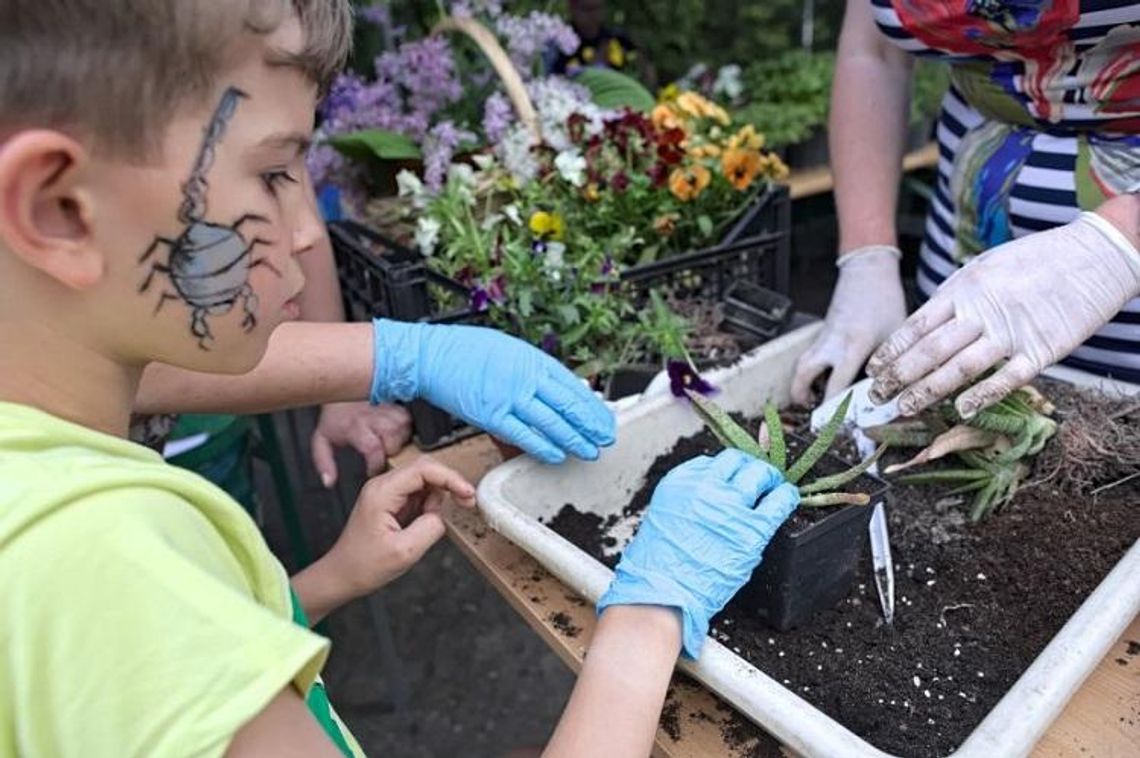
<point x="1101" y="721"/>
<point x="816" y="181"/>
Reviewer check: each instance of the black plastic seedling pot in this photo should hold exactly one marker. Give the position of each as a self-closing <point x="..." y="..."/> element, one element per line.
<point x="755" y="310"/>
<point x="809" y="569"/>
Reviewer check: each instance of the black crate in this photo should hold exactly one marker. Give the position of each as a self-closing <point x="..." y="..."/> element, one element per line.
<point x="380" y="278"/>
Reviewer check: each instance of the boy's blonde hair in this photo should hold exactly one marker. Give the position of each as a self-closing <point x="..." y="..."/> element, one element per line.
<point x="115" y="71"/>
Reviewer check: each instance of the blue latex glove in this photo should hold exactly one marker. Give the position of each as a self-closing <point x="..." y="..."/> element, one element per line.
<point x="495" y="382"/>
<point x="702" y="535"/>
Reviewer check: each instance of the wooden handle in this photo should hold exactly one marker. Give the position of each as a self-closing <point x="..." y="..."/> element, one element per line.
<point x="501" y="62"/>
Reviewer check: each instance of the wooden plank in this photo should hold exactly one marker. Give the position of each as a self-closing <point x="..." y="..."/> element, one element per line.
<point x="1102" y="719"/>
<point x="816" y="181"/>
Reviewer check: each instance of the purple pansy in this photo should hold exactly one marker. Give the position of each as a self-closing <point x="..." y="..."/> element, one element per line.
<point x="684" y="376"/>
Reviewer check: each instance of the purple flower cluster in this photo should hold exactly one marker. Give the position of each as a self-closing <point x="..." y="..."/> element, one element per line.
<point x="424" y="74"/>
<point x="469" y="8"/>
<point x="498" y="116"/>
<point x="529" y="36"/>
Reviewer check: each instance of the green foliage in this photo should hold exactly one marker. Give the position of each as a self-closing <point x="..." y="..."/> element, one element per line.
<point x="674" y="34"/>
<point x="931" y="80"/>
<point x="613" y="89"/>
<point x="821" y="492"/>
<point x="787" y="97"/>
<point x="376" y="143"/>
<point x="992" y="473"/>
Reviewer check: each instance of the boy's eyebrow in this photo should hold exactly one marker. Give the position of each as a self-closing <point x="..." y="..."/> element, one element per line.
<point x="281" y="140"/>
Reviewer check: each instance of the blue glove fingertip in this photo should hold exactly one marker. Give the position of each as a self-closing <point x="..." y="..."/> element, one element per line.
<point x="780" y="503"/>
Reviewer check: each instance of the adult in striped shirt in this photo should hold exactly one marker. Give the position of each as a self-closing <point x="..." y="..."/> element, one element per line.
<point x="1039" y="143"/>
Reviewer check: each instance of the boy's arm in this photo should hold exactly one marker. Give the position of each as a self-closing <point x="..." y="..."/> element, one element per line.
<point x="305" y="364"/>
<point x="285" y="729"/>
<point x="704" y="532"/>
<point x="615" y="704"/>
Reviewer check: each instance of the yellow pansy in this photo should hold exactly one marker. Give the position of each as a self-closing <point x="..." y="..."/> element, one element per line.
<point x="615" y="54"/>
<point x="547" y="225"/>
<point x="741" y="167"/>
<point x="665" y="118"/>
<point x="688" y="183"/>
<point x="747" y="138"/>
<point x="707" y="150"/>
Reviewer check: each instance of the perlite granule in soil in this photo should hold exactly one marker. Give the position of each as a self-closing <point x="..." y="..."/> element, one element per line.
<point x="975" y="603"/>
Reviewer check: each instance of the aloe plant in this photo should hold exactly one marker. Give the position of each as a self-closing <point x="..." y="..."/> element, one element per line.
<point x="993" y="447"/>
<point x="824" y="491"/>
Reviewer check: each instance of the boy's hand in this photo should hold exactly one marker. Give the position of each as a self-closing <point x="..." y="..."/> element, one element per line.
<point x="495" y="382"/>
<point x="375" y="431"/>
<point x="703" y="534"/>
<point x="396" y="519"/>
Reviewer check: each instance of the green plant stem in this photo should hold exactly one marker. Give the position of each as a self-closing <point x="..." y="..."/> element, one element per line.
<point x="835" y="498"/>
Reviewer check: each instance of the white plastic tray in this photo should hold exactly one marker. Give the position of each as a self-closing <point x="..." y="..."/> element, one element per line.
<point x="516" y="494"/>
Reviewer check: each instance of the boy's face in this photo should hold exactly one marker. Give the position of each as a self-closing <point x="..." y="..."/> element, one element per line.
<point x="201" y="246"/>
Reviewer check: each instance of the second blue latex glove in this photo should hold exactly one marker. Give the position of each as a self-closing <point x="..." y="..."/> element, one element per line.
<point x="703" y="534"/>
<point x="493" y="381"/>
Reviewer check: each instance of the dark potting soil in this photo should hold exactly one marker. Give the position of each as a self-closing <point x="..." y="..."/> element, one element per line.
<point x="975" y="604"/>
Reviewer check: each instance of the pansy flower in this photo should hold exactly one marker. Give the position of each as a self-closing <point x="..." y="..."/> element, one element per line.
<point x="684" y="376"/>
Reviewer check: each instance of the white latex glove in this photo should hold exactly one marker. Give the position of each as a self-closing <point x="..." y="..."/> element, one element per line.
<point x="868" y="304"/>
<point x="1032" y="301"/>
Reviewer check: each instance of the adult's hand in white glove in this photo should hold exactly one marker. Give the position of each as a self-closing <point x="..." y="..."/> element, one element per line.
<point x="1031" y="301"/>
<point x="868" y="304"/>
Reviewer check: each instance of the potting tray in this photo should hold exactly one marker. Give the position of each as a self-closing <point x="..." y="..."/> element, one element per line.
<point x="514" y="498"/>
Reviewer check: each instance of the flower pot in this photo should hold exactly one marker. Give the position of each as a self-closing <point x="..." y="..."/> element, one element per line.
<point x="754" y="310"/>
<point x="630" y="380"/>
<point x="809" y="566"/>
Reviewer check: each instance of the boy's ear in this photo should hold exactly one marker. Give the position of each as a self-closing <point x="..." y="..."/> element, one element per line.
<point x="45" y="209"/>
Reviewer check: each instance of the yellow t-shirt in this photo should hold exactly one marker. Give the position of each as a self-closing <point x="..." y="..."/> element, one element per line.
<point x="141" y="612"/>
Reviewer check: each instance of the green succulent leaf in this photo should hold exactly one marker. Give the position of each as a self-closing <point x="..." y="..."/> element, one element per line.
<point x="821" y="444"/>
<point x="730" y="433"/>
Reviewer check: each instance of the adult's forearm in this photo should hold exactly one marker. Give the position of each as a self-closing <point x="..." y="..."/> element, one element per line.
<point x="1124" y="213"/>
<point x="617" y="701"/>
<point x="869" y="112"/>
<point x="305" y="364"/>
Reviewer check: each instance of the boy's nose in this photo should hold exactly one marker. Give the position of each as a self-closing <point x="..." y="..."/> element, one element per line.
<point x="309" y="229"/>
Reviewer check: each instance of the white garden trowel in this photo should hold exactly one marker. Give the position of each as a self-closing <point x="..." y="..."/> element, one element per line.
<point x="863" y="413"/>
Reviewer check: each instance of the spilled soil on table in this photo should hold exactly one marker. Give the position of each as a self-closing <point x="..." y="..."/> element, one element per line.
<point x="975" y="603"/>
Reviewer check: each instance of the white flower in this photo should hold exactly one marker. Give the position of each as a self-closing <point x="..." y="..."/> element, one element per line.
<point x="461" y="173"/>
<point x="554" y="260"/>
<point x="483" y="161"/>
<point x="462" y="178"/>
<point x="491" y="221"/>
<point x="409" y="185"/>
<point x="427" y="234"/>
<point x="512" y="212"/>
<point x="572" y="167"/>
<point x="555" y="100"/>
<point x="515" y="152"/>
<point x="728" y="82"/>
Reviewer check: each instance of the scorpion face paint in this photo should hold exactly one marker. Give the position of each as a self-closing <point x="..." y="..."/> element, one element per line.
<point x="208" y="264"/>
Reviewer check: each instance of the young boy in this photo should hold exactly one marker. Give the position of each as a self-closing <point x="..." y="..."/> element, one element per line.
<point x="150" y="159"/>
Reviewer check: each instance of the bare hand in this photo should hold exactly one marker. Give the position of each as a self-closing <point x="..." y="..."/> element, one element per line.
<point x="375" y="431"/>
<point x="396" y="520"/>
